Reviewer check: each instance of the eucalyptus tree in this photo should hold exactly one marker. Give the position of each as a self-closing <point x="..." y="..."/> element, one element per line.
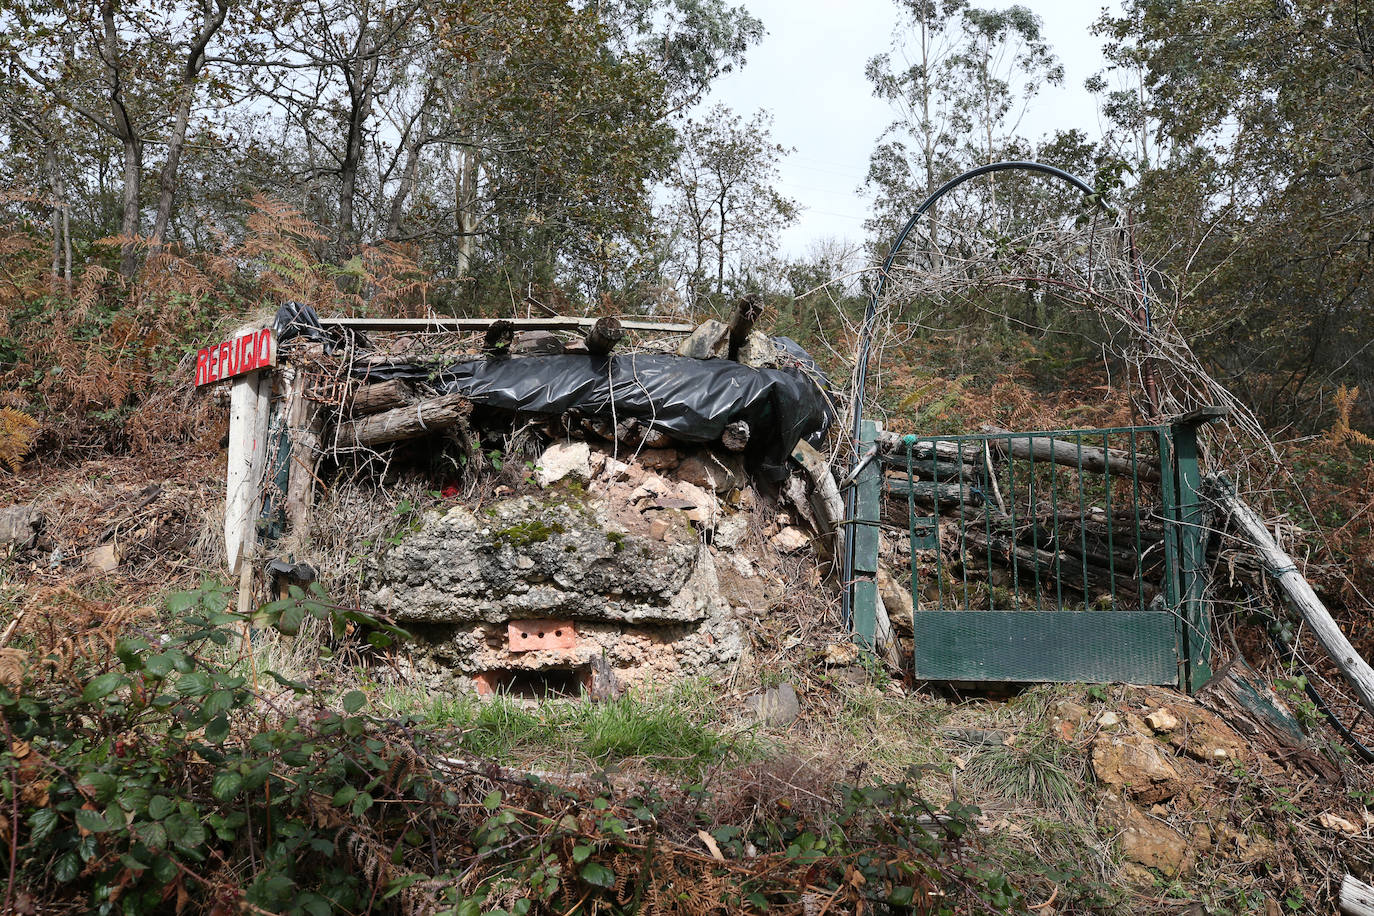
<point x="725" y="208"/>
<point x="958" y="79"/>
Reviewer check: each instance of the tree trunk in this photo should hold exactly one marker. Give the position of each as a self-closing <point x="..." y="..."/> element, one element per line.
<point x="129" y="217"/>
<point x="167" y="183"/>
<point x="55" y="183"/>
<point x="466" y="210"/>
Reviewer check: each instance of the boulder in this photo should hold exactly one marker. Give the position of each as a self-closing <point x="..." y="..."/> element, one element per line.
<point x="1150" y="842"/>
<point x="651" y="605"/>
<point x="718" y="473"/>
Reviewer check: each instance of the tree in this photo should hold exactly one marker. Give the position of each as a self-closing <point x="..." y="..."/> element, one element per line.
<point x="1262" y="205"/>
<point x="725" y="210"/>
<point x="959" y="79"/>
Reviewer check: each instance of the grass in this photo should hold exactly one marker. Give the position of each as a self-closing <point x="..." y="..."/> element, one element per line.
<point x="666" y="730"/>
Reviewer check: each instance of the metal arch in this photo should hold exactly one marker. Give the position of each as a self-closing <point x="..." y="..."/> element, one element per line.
<point x="866" y="330"/>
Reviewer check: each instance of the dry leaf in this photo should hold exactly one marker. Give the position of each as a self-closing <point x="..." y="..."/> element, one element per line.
<point x="711" y="845"/>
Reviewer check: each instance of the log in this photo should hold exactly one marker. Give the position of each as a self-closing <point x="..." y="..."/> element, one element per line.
<point x="405" y="422"/>
<point x="1299" y="592"/>
<point x="736" y="436"/>
<point x="931" y="468"/>
<point x="747" y="312"/>
<point x="1245" y="701"/>
<point x="604" y="336"/>
<point x="498" y="338"/>
<point x="1356" y="898"/>
<point x="892" y="448"/>
<point x="537" y="343"/>
<point x="950" y="495"/>
<point x="1064" y="452"/>
<point x="380" y="396"/>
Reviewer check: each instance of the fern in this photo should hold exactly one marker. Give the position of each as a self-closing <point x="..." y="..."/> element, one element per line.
<point x="17" y="432"/>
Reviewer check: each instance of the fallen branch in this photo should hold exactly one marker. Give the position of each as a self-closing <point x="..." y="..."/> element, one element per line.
<point x="1299" y="592"/>
<point x="1072" y="454"/>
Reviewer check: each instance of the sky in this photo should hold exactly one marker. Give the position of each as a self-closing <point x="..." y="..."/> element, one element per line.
<point x="808" y="72"/>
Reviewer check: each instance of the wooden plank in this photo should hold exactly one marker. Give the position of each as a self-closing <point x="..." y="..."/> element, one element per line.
<point x="437" y="323"/>
<point x="1133" y="647"/>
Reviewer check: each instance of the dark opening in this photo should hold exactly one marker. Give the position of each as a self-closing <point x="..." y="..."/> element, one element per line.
<point x="539" y="685"/>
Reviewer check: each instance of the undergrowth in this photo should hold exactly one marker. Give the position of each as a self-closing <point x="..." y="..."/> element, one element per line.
<point x="150" y="772"/>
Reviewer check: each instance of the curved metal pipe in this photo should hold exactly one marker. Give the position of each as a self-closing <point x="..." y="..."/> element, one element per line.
<point x="866" y="330"/>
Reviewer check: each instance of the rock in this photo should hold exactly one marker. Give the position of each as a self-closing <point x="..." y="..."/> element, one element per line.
<point x="758" y="351"/>
<point x="897" y="599"/>
<point x="1065" y="718"/>
<point x="19" y="527"/>
<point x="710" y="339"/>
<point x="104" y="558"/>
<point x="791" y="540"/>
<point x="652" y="487"/>
<point x="776" y="707"/>
<point x="1162" y="721"/>
<point x="536" y="343"/>
<point x="1205" y="736"/>
<point x="713" y="472"/>
<point x="730" y="531"/>
<point x="841" y="653"/>
<point x="1108" y="719"/>
<point x="1150" y="843"/>
<point x="701" y="505"/>
<point x="658" y="529"/>
<point x="659" y="459"/>
<point x="564" y="459"/>
<point x="1134" y="764"/>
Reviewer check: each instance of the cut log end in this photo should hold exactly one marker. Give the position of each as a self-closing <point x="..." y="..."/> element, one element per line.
<point x="604" y="336"/>
<point x="736" y="436"/>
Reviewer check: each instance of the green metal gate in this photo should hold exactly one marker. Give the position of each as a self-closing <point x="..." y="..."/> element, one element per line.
<point x="1066" y="555"/>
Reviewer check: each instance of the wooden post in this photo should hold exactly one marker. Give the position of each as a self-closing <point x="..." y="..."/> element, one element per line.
<point x="303" y="425"/>
<point x="747" y="312"/>
<point x="1300" y="594"/>
<point x="249" y="402"/>
<point x="604" y="336"/>
<point x="498" y="338"/>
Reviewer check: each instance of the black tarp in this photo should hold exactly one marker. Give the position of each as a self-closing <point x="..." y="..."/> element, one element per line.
<point x="692" y="400"/>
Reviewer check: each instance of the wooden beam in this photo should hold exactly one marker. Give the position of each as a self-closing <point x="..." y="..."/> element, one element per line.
<point x="439" y="324"/>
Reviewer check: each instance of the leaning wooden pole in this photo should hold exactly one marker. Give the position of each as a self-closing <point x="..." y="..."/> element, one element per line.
<point x="1357" y="898"/>
<point x="1300" y="594"/>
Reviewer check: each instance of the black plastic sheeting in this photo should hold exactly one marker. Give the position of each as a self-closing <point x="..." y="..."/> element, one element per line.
<point x="692" y="400"/>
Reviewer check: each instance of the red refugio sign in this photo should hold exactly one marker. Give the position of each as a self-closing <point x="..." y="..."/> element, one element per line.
<point x="242" y="354"/>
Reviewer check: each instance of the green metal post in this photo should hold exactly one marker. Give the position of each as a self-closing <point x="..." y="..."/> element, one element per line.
<point x="1192" y="539"/>
<point x="864" y="588"/>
